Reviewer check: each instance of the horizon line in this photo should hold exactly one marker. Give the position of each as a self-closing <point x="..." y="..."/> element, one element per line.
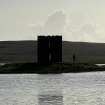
<point x="62" y="41"/>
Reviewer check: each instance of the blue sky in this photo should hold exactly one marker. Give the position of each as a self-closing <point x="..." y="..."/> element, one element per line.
<point x="76" y="20"/>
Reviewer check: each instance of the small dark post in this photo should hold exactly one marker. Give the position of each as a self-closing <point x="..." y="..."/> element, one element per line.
<point x="74" y="58"/>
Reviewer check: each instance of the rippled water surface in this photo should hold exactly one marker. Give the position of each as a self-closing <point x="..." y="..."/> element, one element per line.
<point x="60" y="89"/>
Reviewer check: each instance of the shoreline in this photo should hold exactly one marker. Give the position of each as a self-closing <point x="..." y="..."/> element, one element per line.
<point x="58" y="68"/>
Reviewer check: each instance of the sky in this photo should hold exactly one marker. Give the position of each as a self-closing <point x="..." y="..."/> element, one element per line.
<point x="75" y="20"/>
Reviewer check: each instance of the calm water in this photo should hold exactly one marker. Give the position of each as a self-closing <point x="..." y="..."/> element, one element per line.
<point x="60" y="89"/>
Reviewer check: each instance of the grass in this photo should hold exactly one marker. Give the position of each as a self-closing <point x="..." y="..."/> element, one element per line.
<point x="45" y="69"/>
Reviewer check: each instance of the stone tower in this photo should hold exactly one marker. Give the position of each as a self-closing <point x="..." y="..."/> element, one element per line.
<point x="49" y="49"/>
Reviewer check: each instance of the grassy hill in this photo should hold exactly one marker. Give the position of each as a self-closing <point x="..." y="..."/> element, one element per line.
<point x="26" y="51"/>
<point x="85" y="52"/>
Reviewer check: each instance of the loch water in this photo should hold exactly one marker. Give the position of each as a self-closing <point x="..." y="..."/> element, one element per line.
<point x="53" y="89"/>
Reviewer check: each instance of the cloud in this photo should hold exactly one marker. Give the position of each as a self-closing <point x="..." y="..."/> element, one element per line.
<point x="53" y="26"/>
<point x="80" y="27"/>
<point x="73" y="27"/>
<point x="55" y="23"/>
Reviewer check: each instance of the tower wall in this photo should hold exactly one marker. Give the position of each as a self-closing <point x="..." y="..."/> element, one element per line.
<point x="56" y="49"/>
<point x="43" y="50"/>
<point x="49" y="49"/>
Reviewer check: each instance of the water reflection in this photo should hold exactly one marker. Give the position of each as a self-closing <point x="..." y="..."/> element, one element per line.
<point x="50" y="99"/>
<point x="66" y="89"/>
<point x="50" y="90"/>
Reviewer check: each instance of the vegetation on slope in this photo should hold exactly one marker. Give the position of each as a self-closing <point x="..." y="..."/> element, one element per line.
<point x="53" y="68"/>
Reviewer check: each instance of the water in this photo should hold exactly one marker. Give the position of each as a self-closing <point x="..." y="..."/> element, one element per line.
<point x="60" y="89"/>
<point x="100" y="64"/>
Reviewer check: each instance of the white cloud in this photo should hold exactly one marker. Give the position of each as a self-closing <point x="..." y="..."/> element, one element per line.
<point x="53" y="26"/>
